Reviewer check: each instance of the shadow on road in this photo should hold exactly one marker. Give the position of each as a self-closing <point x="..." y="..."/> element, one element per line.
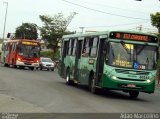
<point x="112" y="94"/>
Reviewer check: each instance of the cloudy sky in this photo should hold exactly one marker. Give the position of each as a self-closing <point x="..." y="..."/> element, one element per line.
<point x="91" y="14"/>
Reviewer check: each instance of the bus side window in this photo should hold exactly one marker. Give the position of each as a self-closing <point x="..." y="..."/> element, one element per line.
<point x="3" y="47"/>
<point x="10" y="46"/>
<point x="84" y="53"/>
<point x="70" y="47"/>
<point x="74" y="47"/>
<point x="67" y="47"/>
<point x="94" y="47"/>
<point x="13" y="45"/>
<point x="7" y="47"/>
<point x="62" y="46"/>
<point x="87" y="47"/>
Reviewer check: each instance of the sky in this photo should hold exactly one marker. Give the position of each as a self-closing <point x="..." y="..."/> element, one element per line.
<point x="93" y="15"/>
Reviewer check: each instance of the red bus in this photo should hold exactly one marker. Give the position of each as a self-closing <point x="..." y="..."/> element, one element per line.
<point x="21" y="53"/>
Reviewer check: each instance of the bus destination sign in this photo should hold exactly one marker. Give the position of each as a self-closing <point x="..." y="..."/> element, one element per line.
<point x="131" y="36"/>
<point x="29" y="43"/>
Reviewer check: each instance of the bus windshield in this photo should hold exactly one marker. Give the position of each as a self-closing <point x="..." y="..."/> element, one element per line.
<point x="134" y="56"/>
<point x="29" y="51"/>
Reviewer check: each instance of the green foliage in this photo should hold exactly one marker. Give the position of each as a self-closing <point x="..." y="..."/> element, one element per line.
<point x="155" y="20"/>
<point x="54" y="28"/>
<point x="49" y="54"/>
<point x="27" y="31"/>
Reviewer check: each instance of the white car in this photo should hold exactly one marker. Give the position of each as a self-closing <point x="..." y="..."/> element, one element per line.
<point x="46" y="63"/>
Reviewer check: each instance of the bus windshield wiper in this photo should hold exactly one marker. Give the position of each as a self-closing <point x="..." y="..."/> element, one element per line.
<point x="125" y="47"/>
<point x="141" y="49"/>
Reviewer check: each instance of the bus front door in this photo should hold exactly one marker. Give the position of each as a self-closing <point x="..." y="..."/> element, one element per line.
<point x="61" y="64"/>
<point x="77" y="59"/>
<point x="100" y="61"/>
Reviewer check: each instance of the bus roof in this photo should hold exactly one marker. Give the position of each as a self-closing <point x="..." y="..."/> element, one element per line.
<point x="106" y="32"/>
<point x="17" y="40"/>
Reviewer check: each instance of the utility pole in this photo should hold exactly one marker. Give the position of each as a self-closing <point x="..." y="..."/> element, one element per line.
<point x="139" y="27"/>
<point x="82" y="29"/>
<point x="5" y="18"/>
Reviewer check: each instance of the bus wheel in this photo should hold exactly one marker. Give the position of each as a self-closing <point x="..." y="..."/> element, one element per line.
<point x="14" y="66"/>
<point x="32" y="68"/>
<point x="21" y="67"/>
<point x="6" y="65"/>
<point x="92" y="86"/>
<point x="68" y="81"/>
<point x="133" y="94"/>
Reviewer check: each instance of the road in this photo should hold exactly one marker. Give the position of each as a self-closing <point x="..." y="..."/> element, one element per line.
<point x="45" y="91"/>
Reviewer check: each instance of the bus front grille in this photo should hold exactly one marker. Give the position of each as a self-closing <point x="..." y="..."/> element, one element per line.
<point x="128" y="79"/>
<point x="133" y="72"/>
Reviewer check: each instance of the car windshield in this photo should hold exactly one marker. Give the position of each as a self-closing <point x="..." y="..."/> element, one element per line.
<point x="46" y="60"/>
<point x="29" y="51"/>
<point x="132" y="56"/>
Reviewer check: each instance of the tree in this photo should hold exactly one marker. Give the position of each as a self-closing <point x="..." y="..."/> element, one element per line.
<point x="54" y="28"/>
<point x="155" y="20"/>
<point x="27" y="31"/>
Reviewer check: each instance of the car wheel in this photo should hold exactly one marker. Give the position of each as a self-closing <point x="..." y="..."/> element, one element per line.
<point x="40" y="67"/>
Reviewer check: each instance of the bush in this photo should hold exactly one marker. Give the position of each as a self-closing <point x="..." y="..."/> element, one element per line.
<point x="48" y="54"/>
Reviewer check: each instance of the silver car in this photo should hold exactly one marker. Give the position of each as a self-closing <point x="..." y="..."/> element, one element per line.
<point x="46" y="63"/>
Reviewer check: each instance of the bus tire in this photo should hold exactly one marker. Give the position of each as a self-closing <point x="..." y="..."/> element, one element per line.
<point x="14" y="66"/>
<point x="21" y="67"/>
<point x="32" y="68"/>
<point x="68" y="81"/>
<point x="6" y="65"/>
<point x="92" y="87"/>
<point x="133" y="94"/>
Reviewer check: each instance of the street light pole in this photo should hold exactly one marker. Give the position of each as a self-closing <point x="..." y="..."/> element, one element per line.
<point x="5" y="18"/>
<point x="82" y="29"/>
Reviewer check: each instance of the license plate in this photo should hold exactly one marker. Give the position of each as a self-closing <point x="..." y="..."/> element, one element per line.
<point x="131" y="85"/>
<point x="27" y="63"/>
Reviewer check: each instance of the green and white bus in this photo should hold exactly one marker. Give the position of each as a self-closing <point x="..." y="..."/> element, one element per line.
<point x="116" y="60"/>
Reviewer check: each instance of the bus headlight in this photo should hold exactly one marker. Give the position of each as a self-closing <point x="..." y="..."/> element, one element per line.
<point x="37" y="61"/>
<point x="114" y="77"/>
<point x="148" y="81"/>
<point x="19" y="59"/>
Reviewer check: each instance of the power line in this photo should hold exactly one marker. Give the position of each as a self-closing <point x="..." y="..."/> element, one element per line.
<point x="128" y="10"/>
<point x="104" y="12"/>
<point x="116" y="25"/>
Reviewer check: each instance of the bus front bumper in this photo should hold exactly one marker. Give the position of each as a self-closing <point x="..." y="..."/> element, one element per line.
<point x="18" y="63"/>
<point x="127" y="85"/>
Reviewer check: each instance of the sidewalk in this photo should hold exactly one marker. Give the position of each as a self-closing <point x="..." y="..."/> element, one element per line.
<point x="157" y="86"/>
<point x="12" y="104"/>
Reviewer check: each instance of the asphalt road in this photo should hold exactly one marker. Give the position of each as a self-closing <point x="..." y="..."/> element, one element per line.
<point x="49" y="93"/>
